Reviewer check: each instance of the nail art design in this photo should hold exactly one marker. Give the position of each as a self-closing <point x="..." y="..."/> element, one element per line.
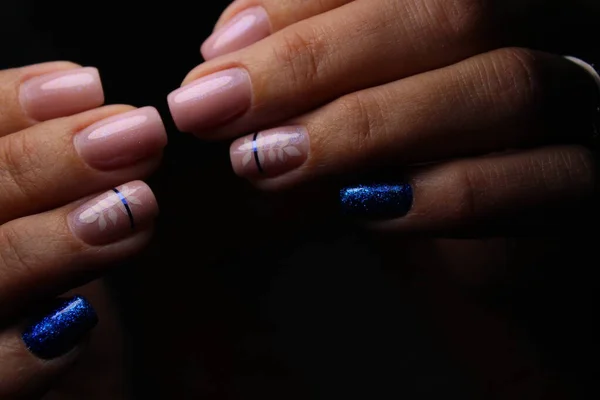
<point x="61" y="329"/>
<point x="270" y="152"/>
<point x="377" y="201"/>
<point x="115" y="214"/>
<point x="105" y="207"/>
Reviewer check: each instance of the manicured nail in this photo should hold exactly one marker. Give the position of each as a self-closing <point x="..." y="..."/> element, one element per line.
<point x="115" y="214"/>
<point x="270" y="153"/>
<point x="59" y="331"/>
<point x="248" y="27"/>
<point x="121" y="140"/>
<point x="61" y="93"/>
<point x="378" y="201"/>
<point x="211" y="101"/>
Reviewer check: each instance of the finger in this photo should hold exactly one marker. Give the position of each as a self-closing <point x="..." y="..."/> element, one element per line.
<point x="518" y="193"/>
<point x="45" y="91"/>
<point x="324" y="57"/>
<point x="246" y="22"/>
<point x="508" y="98"/>
<point x="46" y="254"/>
<point x="34" y="356"/>
<point x="62" y="160"/>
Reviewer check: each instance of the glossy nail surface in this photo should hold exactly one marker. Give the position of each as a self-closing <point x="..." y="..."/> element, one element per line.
<point x="377" y="201"/>
<point x="211" y="101"/>
<point x="123" y="139"/>
<point x="270" y="153"/>
<point x="249" y="26"/>
<point x="61" y="93"/>
<point x="115" y="214"/>
<point x="60" y="330"/>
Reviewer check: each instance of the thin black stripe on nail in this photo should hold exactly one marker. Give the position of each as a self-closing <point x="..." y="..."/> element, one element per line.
<point x="126" y="204"/>
<point x="255" y="151"/>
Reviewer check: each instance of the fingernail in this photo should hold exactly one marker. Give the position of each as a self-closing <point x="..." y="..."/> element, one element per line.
<point x="121" y="140"/>
<point x="270" y="153"/>
<point x="61" y="93"/>
<point x="247" y="27"/>
<point x="115" y="214"/>
<point x="59" y="331"/>
<point x="211" y="101"/>
<point x="378" y="201"/>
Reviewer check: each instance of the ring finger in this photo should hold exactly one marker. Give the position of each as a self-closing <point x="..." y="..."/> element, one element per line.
<point x="508" y="98"/>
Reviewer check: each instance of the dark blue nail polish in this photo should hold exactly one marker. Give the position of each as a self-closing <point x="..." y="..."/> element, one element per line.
<point x="60" y="330"/>
<point x="378" y="201"/>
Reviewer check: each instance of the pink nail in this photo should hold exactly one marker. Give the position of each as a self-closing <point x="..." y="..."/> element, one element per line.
<point x="62" y="93"/>
<point x="121" y="140"/>
<point x="248" y="27"/>
<point x="114" y="215"/>
<point x="270" y="153"/>
<point x="211" y="101"/>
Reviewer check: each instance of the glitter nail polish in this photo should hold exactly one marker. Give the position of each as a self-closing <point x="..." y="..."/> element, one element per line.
<point x="377" y="201"/>
<point x="61" y="329"/>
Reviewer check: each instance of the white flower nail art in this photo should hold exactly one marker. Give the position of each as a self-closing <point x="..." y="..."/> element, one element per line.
<point x="105" y="207"/>
<point x="274" y="147"/>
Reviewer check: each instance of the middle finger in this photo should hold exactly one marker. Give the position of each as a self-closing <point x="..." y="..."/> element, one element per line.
<point x="62" y="160"/>
<point x="359" y="45"/>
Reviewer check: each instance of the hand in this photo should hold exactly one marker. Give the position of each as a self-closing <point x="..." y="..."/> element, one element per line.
<point x="459" y="132"/>
<point x="70" y="205"/>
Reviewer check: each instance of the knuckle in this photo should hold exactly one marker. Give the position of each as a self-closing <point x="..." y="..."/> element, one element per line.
<point x="20" y="164"/>
<point x="511" y="79"/>
<point x="573" y="168"/>
<point x="15" y="260"/>
<point x="364" y="115"/>
<point x="459" y="19"/>
<point x="302" y="52"/>
<point x="466" y="202"/>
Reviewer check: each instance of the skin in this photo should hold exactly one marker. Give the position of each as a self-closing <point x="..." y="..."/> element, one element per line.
<point x="450" y="258"/>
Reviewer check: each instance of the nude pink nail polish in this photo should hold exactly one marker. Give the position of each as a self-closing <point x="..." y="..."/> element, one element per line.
<point x="114" y="215"/>
<point x="270" y="153"/>
<point x="121" y="140"/>
<point x="211" y="101"/>
<point x="61" y="93"/>
<point x="246" y="28"/>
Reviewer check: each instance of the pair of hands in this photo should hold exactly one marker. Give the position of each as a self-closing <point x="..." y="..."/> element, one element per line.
<point x="349" y="87"/>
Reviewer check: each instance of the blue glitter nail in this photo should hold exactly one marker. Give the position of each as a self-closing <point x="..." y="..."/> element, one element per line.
<point x="61" y="329"/>
<point x="377" y="201"/>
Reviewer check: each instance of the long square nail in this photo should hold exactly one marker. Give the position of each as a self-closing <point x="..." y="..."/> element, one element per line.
<point x="270" y="153"/>
<point x="61" y="329"/>
<point x="116" y="214"/>
<point x="377" y="201"/>
<point x="246" y="28"/>
<point x="211" y="101"/>
<point x="61" y="93"/>
<point x="121" y="140"/>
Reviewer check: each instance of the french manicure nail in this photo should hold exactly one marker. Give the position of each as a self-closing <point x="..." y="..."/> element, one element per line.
<point x="246" y="28"/>
<point x="270" y="153"/>
<point x="211" y="101"/>
<point x="377" y="201"/>
<point x="121" y="140"/>
<point x="115" y="214"/>
<point x="61" y="93"/>
<point x="60" y="330"/>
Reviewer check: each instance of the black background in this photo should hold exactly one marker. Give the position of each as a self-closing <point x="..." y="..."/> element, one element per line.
<point x="318" y="319"/>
